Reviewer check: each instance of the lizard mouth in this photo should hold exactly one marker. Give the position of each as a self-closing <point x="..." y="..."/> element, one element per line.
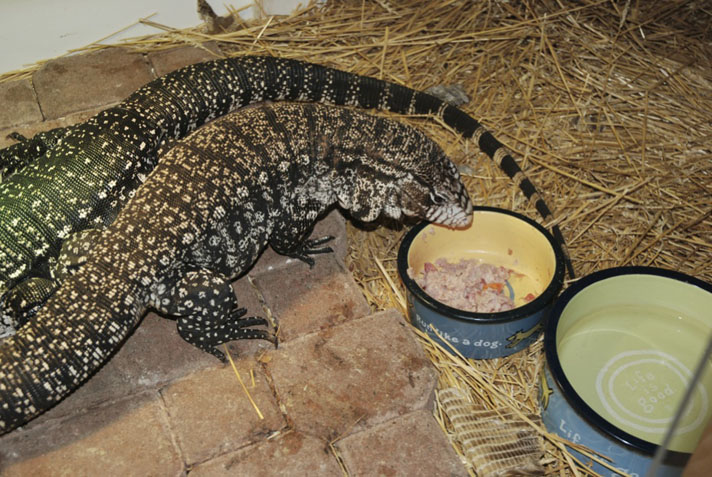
<point x="450" y="216"/>
<point x="455" y="213"/>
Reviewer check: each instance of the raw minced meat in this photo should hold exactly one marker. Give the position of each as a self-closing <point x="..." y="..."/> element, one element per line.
<point x="468" y="285"/>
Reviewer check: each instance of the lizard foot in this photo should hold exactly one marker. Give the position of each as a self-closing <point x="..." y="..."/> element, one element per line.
<point x="311" y="247"/>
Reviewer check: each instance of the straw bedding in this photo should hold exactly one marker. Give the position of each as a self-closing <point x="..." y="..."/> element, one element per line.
<point x="605" y="104"/>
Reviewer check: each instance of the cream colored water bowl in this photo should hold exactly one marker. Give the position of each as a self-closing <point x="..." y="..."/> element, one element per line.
<point x="497" y="237"/>
<point x="621" y="346"/>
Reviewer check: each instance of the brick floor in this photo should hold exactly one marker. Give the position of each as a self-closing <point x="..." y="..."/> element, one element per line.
<point x="24" y="108"/>
<point x="81" y="82"/>
<point x="288" y="454"/>
<point x="347" y="391"/>
<point x="351" y="376"/>
<point x="124" y="437"/>
<point x="210" y="415"/>
<point x="296" y="289"/>
<point x="409" y="445"/>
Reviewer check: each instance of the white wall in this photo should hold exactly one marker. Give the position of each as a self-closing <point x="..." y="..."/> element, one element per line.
<point x="32" y="30"/>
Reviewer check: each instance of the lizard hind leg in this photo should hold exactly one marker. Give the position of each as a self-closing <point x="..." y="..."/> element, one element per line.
<point x="23" y="301"/>
<point x="73" y="254"/>
<point x="207" y="315"/>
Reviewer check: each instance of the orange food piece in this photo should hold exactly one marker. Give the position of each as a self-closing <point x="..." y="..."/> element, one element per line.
<point x="497" y="286"/>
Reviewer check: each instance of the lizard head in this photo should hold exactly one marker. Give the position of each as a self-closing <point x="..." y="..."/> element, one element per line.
<point x="434" y="192"/>
<point x="423" y="183"/>
<point x="425" y="189"/>
<point x="406" y="174"/>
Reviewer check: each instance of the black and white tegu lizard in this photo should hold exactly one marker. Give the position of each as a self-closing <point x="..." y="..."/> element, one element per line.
<point x="61" y="187"/>
<point x="251" y="179"/>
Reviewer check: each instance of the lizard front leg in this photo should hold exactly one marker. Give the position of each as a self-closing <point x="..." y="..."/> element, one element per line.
<point x="207" y="315"/>
<point x="74" y="253"/>
<point x="290" y="237"/>
<point x="22" y="301"/>
<point x="27" y="150"/>
<point x="303" y="249"/>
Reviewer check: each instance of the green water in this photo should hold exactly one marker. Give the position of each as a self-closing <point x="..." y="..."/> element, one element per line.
<point x="631" y="364"/>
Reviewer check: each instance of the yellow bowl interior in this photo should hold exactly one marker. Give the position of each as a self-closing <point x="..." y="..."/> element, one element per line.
<point x="495" y="238"/>
<point x="628" y="345"/>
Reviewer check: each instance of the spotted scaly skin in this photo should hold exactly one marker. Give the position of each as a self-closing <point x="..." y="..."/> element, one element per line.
<point x="78" y="178"/>
<point x="259" y="177"/>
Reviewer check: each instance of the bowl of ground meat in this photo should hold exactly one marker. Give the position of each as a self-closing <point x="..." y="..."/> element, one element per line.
<point x="483" y="290"/>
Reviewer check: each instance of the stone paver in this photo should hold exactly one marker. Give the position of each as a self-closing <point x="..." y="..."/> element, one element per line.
<point x="352" y="376"/>
<point x="77" y="83"/>
<point x="306" y="299"/>
<point x="127" y="437"/>
<point x="211" y="415"/>
<point x="19" y="104"/>
<point x="410" y="445"/>
<point x="169" y="60"/>
<point x="291" y="454"/>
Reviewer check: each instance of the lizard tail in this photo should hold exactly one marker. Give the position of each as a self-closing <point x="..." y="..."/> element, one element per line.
<point x="67" y="342"/>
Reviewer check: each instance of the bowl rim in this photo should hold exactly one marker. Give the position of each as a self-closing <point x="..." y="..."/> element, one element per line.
<point x="557" y="372"/>
<point x="524" y="311"/>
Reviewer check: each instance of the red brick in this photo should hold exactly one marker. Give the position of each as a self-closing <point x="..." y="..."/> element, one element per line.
<point x="413" y="444"/>
<point x="210" y="413"/>
<point x="352" y="376"/>
<point x="128" y="437"/>
<point x="19" y="104"/>
<point x="80" y="82"/>
<point x="169" y="60"/>
<point x="306" y="300"/>
<point x="290" y="454"/>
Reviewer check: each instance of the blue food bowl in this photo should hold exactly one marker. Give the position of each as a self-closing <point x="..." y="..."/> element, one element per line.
<point x="498" y="237"/>
<point x="621" y="347"/>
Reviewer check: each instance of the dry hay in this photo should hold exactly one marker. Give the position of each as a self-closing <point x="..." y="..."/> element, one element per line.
<point x="606" y="105"/>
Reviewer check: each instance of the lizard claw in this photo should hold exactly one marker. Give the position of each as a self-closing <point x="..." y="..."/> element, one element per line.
<point x="312" y="247"/>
